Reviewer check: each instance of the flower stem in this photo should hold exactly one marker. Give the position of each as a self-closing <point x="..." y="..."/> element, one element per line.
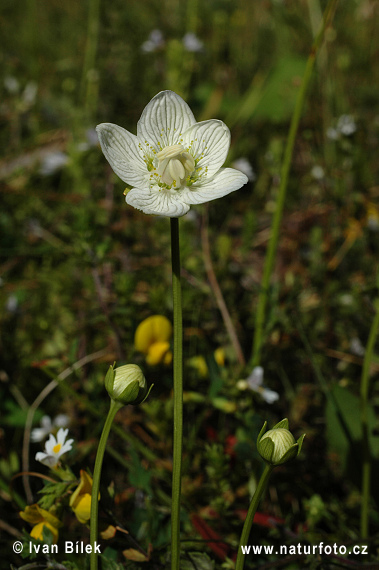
<point x="178" y="396"/>
<point x="366" y="465"/>
<point x="250" y="515"/>
<point x="89" y="81"/>
<point x="114" y="407"/>
<point x="275" y="225"/>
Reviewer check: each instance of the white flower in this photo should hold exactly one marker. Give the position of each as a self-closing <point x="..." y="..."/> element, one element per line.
<point x="38" y="434"/>
<point x="155" y="42"/>
<point x="173" y="162"/>
<point x="244" y="166"/>
<point x="192" y="43"/>
<point x="357" y="347"/>
<point x="55" y="448"/>
<point x="255" y="383"/>
<point x="52" y="162"/>
<point x="346" y="125"/>
<point x="11" y="84"/>
<point x="317" y="172"/>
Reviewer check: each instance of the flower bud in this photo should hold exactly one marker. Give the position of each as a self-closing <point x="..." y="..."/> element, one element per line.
<point x="126" y="384"/>
<point x="278" y="445"/>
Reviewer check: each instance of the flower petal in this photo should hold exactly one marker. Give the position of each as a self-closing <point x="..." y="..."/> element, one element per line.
<point x="121" y="150"/>
<point x="50" y="444"/>
<point x="225" y="181"/>
<point x="164" y="120"/>
<point x="46" y="459"/>
<point x="82" y="509"/>
<point x="61" y="435"/>
<point x="209" y="140"/>
<point x="66" y="447"/>
<point x="158" y="202"/>
<point x="155" y="328"/>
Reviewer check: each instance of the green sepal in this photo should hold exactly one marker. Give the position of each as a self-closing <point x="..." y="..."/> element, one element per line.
<point x="266" y="449"/>
<point x="130" y="394"/>
<point x="291" y="453"/>
<point x="282" y="424"/>
<point x="147" y="395"/>
<point x="261" y="432"/>
<point x="300" y="443"/>
<point x="109" y="378"/>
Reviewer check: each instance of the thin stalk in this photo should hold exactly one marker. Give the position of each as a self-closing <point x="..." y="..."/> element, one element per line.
<point x="114" y="407"/>
<point x="366" y="465"/>
<point x="178" y="396"/>
<point x="88" y="86"/>
<point x="275" y="225"/>
<point x="250" y="515"/>
<point x="218" y="293"/>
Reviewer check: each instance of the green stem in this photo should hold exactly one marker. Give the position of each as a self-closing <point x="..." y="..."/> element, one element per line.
<point x="88" y="87"/>
<point x="178" y="396"/>
<point x="365" y="383"/>
<point x="250" y="515"/>
<point x="114" y="407"/>
<point x="275" y="225"/>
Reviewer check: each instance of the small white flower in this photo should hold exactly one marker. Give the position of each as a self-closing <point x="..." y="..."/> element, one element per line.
<point x="11" y="84"/>
<point x="173" y="162"/>
<point x="12" y="304"/>
<point x="244" y="166"/>
<point x="47" y="426"/>
<point x="332" y="133"/>
<point x="52" y="162"/>
<point x="30" y="93"/>
<point x="154" y="42"/>
<point x="346" y="125"/>
<point x="317" y="172"/>
<point x="255" y="383"/>
<point x="192" y="43"/>
<point x="357" y="347"/>
<point x="55" y="448"/>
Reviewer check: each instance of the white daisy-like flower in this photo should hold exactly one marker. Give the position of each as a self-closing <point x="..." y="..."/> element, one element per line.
<point x="38" y="434"/>
<point x="55" y="448"/>
<point x="173" y="162"/>
<point x="255" y="383"/>
<point x="192" y="43"/>
<point x="155" y="42"/>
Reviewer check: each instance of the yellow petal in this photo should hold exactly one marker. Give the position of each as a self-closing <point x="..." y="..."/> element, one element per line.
<point x="200" y="365"/>
<point x="85" y="486"/>
<point x="135" y="555"/>
<point x="37" y="531"/>
<point x="168" y="358"/>
<point x="219" y="356"/>
<point x="31" y="514"/>
<point x="157" y="353"/>
<point x="82" y="508"/>
<point x="34" y="514"/>
<point x="109" y="532"/>
<point x="153" y="329"/>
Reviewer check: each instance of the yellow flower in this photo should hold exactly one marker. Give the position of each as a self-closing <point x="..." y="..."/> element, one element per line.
<point x="200" y="364"/>
<point x="153" y="339"/>
<point x="40" y="518"/>
<point x="219" y="356"/>
<point x="80" y="500"/>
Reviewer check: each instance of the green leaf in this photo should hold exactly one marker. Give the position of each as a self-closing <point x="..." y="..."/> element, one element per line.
<point x="279" y="94"/>
<point x="344" y="430"/>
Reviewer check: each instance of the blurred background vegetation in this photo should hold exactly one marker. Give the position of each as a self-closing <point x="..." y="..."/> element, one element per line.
<point x="80" y="269"/>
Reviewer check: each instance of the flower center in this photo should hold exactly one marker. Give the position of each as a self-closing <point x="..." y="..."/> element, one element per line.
<point x="175" y="164"/>
<point x="57" y="448"/>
